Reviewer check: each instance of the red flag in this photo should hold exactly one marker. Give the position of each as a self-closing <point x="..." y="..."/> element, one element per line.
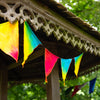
<point x="50" y="60"/>
<point x="77" y="88"/>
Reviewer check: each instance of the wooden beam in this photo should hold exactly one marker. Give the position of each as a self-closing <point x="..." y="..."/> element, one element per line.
<point x="53" y="88"/>
<point x="61" y="49"/>
<point x="63" y="22"/>
<point x="3" y="84"/>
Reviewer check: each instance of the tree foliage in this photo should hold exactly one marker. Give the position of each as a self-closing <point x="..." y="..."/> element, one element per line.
<point x="88" y="10"/>
<point x="27" y="91"/>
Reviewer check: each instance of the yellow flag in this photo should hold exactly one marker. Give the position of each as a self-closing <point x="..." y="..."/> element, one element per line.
<point x="9" y="39"/>
<point x="77" y="63"/>
<point x="30" y="42"/>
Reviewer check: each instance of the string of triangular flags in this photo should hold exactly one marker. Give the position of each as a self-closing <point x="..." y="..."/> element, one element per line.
<point x="79" y="87"/>
<point x="9" y="43"/>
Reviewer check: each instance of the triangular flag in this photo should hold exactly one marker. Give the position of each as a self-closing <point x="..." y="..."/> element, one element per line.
<point x="77" y="63"/>
<point x="30" y="41"/>
<point x="92" y="85"/>
<point x="9" y="39"/>
<point x="65" y="64"/>
<point x="77" y="88"/>
<point x="50" y="60"/>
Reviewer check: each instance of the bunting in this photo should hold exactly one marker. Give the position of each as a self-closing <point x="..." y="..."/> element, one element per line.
<point x="30" y="41"/>
<point x="77" y="88"/>
<point x="9" y="39"/>
<point x="92" y="85"/>
<point x="77" y="63"/>
<point x="9" y="43"/>
<point x="50" y="60"/>
<point x="65" y="64"/>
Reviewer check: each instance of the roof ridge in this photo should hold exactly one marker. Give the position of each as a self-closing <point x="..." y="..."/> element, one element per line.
<point x="59" y="8"/>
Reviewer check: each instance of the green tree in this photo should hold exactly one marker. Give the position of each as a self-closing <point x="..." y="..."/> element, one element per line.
<point x="27" y="91"/>
<point x="88" y="10"/>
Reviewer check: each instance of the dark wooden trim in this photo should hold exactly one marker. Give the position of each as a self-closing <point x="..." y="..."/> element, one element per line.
<point x="3" y="84"/>
<point x="63" y="22"/>
<point x="53" y="88"/>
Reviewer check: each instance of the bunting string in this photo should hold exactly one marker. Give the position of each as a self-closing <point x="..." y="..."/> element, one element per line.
<point x="31" y="42"/>
<point x="9" y="43"/>
<point x="9" y="40"/>
<point x="91" y="87"/>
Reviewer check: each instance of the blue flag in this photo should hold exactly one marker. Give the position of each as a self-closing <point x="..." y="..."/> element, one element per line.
<point x="92" y="85"/>
<point x="65" y="64"/>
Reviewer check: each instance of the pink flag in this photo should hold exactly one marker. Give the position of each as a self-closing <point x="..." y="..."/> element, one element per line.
<point x="50" y="60"/>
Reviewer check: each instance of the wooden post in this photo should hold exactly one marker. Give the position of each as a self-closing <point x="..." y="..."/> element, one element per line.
<point x="53" y="89"/>
<point x="3" y="84"/>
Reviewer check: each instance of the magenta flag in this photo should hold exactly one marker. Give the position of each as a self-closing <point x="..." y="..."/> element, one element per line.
<point x="50" y="60"/>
